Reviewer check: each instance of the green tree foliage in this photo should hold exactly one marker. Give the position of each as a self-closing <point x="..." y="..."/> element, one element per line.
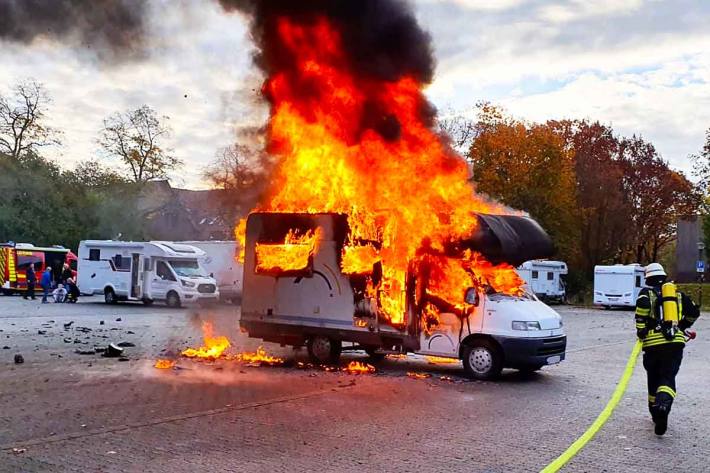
<point x="44" y="205"/>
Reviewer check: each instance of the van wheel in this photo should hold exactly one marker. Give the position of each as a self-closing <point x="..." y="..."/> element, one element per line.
<point x="482" y="359"/>
<point x="173" y="300"/>
<point x="322" y="349"/>
<point x="110" y="296"/>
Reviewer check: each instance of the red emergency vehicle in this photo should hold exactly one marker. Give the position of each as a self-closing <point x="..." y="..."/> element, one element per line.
<point x="16" y="258"/>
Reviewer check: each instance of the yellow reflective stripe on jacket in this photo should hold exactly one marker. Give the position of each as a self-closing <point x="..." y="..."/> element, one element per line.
<point x="651" y="398"/>
<point x="667" y="390"/>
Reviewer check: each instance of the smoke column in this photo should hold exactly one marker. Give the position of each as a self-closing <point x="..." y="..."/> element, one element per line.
<point x="112" y="29"/>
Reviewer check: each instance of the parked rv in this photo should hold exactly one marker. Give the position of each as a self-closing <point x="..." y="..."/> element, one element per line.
<point x="15" y="258"/>
<point x="144" y="271"/>
<point x="220" y="262"/>
<point x="321" y="307"/>
<point x="544" y="278"/>
<point x="617" y="285"/>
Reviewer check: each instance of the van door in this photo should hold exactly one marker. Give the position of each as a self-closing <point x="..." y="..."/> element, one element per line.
<point x="162" y="280"/>
<point x="136" y="292"/>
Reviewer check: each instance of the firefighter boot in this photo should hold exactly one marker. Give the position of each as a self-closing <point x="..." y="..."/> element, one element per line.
<point x="663" y="408"/>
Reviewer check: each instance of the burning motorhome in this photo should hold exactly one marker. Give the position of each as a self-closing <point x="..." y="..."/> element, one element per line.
<point x="370" y="231"/>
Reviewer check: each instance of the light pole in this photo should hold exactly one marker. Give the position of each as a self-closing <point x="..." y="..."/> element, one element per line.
<point x="700" y="268"/>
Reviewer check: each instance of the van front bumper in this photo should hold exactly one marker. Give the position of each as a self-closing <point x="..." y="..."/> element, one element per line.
<point x="522" y="352"/>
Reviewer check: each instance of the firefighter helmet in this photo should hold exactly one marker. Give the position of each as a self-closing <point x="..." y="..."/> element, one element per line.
<point x="655" y="269"/>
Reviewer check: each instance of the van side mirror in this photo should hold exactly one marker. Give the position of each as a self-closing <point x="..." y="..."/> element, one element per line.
<point x="472" y="297"/>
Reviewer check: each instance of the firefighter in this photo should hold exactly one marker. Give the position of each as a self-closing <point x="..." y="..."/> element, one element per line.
<point x="663" y="319"/>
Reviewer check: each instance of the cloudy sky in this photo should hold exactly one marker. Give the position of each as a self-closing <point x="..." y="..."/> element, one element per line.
<point x="642" y="66"/>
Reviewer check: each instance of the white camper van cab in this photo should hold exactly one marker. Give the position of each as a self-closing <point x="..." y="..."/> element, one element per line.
<point x="144" y="271"/>
<point x="322" y="308"/>
<point x="618" y="285"/>
<point x="220" y="262"/>
<point x="544" y="278"/>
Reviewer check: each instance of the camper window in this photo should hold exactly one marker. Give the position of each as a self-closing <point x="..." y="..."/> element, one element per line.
<point x="638" y="281"/>
<point x="163" y="271"/>
<point x="94" y="254"/>
<point x="121" y="263"/>
<point x="550" y="276"/>
<point x="534" y="274"/>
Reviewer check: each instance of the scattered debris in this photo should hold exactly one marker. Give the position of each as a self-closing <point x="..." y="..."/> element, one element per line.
<point x="118" y="319"/>
<point x="101" y="322"/>
<point x="124" y="358"/>
<point x="19" y="359"/>
<point x="68" y="325"/>
<point x="67" y="340"/>
<point x="41" y="332"/>
<point x="126" y="344"/>
<point x="6" y="347"/>
<point x="18" y="451"/>
<point x="418" y="375"/>
<point x="83" y="329"/>
<point x="113" y="351"/>
<point x="131" y="332"/>
<point x="85" y="352"/>
<point x="99" y="349"/>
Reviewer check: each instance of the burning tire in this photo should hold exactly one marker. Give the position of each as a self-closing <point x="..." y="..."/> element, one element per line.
<point x="172" y="300"/>
<point x="322" y="349"/>
<point x="110" y="296"/>
<point x="482" y="359"/>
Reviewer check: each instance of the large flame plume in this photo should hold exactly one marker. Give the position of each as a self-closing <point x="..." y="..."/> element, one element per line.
<point x="353" y="134"/>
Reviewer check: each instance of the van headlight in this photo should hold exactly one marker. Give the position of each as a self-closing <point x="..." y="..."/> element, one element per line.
<point x="187" y="283"/>
<point x="523" y="325"/>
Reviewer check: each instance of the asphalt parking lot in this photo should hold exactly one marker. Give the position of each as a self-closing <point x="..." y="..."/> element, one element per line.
<point x="64" y="411"/>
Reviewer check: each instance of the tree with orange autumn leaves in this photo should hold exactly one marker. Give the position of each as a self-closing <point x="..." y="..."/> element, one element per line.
<point x="603" y="199"/>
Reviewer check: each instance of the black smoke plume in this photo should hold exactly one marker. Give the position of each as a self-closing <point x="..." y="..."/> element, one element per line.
<point x="382" y="37"/>
<point x="111" y="29"/>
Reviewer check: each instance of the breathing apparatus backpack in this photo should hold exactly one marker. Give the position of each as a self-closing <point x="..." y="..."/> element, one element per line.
<point x="669" y="313"/>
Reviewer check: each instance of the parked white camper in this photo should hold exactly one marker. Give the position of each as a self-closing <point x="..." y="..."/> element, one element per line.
<point x="617" y="285"/>
<point x="321" y="307"/>
<point x="220" y="262"/>
<point x="144" y="271"/>
<point x="544" y="278"/>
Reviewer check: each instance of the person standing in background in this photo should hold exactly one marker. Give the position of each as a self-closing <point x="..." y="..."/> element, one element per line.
<point x="31" y="280"/>
<point x="46" y="284"/>
<point x="66" y="274"/>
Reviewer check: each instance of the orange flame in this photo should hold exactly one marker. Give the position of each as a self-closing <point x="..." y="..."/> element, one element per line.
<point x="163" y="364"/>
<point x="418" y="375"/>
<point x="406" y="191"/>
<point x="213" y="347"/>
<point x="258" y="357"/>
<point x="291" y="255"/>
<point x="359" y="259"/>
<point x="356" y="367"/>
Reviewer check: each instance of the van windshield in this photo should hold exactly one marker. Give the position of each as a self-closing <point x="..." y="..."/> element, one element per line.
<point x="497" y="296"/>
<point x="187" y="268"/>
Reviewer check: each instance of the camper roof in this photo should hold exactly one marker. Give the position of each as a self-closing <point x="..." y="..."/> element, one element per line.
<point x="618" y="269"/>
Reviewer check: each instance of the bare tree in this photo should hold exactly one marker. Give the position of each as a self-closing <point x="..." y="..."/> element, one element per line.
<point x="136" y="138"/>
<point x="237" y="171"/>
<point x="22" y="127"/>
<point x="461" y="130"/>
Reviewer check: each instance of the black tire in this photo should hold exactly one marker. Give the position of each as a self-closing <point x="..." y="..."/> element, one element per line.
<point x="375" y="357"/>
<point x="482" y="359"/>
<point x="322" y="349"/>
<point x="173" y="300"/>
<point x="110" y="296"/>
<point x="148" y="302"/>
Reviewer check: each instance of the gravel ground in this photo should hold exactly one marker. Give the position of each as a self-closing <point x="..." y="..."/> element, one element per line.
<point x="64" y="411"/>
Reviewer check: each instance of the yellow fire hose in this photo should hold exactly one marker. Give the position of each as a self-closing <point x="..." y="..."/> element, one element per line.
<point x="578" y="444"/>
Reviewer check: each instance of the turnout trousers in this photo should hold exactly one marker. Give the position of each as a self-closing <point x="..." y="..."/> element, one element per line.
<point x="662" y="364"/>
